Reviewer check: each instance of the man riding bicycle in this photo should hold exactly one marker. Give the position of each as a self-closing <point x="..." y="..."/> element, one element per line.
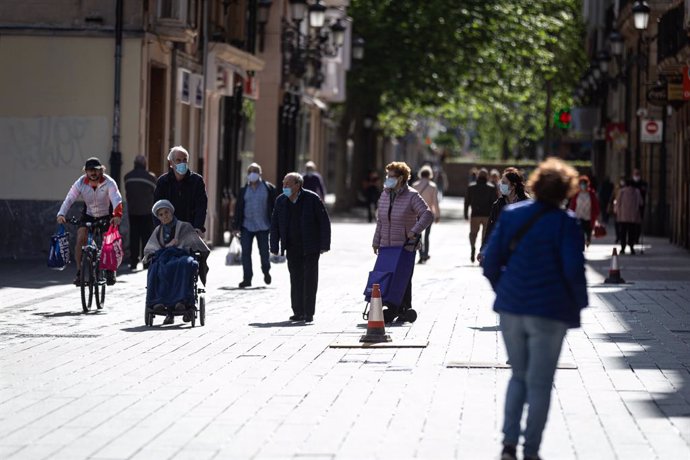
<point x="100" y="194"/>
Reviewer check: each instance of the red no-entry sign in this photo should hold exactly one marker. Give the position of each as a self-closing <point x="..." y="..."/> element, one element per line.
<point x="651" y="130"/>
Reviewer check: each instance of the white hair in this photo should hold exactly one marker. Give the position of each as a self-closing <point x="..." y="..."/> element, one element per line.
<point x="255" y="165"/>
<point x="177" y="148"/>
<point x="296" y="176"/>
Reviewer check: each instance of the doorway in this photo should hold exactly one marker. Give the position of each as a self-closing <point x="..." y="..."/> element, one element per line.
<point x="156" y="120"/>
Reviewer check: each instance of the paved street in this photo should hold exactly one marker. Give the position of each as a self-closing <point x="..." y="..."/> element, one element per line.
<point x="249" y="384"/>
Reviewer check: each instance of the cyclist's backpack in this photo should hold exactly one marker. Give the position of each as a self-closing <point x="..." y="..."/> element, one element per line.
<point x="112" y="252"/>
<point x="59" y="255"/>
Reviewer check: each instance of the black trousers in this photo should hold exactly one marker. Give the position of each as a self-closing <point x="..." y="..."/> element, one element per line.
<point x="304" y="281"/>
<point x="140" y="229"/>
<point x="630" y="234"/>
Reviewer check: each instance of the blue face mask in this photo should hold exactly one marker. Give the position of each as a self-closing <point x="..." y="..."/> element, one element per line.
<point x="504" y="188"/>
<point x="253" y="176"/>
<point x="287" y="191"/>
<point x="181" y="168"/>
<point x="390" y="182"/>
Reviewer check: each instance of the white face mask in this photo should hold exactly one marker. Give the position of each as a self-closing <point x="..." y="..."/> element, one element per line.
<point x="504" y="188"/>
<point x="253" y="176"/>
<point x="636" y="178"/>
<point x="390" y="182"/>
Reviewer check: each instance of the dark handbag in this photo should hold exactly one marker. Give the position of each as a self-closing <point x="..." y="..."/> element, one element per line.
<point x="515" y="240"/>
<point x="599" y="230"/>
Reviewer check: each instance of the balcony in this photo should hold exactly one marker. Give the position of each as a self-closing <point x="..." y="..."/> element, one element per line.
<point x="672" y="35"/>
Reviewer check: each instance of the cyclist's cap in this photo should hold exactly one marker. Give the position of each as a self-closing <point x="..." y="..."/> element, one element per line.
<point x="93" y="163"/>
<point x="160" y="204"/>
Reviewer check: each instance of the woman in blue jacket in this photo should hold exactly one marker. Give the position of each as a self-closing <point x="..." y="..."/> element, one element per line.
<point x="535" y="264"/>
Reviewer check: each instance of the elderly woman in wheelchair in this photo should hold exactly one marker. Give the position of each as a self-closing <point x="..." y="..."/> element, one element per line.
<point x="176" y="258"/>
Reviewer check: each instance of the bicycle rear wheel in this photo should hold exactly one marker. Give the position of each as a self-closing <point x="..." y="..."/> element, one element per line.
<point x="99" y="287"/>
<point x="87" y="281"/>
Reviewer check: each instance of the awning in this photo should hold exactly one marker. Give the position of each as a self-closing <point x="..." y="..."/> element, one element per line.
<point x="235" y="56"/>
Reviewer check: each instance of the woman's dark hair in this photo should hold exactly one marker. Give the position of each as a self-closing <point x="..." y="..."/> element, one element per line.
<point x="553" y="181"/>
<point x="515" y="178"/>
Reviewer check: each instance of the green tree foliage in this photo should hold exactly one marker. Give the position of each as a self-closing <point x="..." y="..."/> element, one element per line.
<point x="486" y="61"/>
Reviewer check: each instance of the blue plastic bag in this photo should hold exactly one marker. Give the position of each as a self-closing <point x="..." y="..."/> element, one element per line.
<point x="59" y="255"/>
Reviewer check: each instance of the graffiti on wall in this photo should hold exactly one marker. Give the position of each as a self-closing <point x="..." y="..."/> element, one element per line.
<point x="49" y="150"/>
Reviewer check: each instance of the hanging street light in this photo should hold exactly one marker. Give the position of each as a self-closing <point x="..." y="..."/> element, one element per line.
<point x="640" y="11"/>
<point x="317" y="15"/>
<point x="358" y="48"/>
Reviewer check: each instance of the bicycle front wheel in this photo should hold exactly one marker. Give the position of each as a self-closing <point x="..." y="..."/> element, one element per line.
<point x="87" y="280"/>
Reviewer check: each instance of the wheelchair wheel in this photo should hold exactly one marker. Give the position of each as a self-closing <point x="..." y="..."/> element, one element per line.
<point x="202" y="310"/>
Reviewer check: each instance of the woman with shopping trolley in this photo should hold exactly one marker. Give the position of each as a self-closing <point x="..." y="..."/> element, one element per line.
<point x="401" y="218"/>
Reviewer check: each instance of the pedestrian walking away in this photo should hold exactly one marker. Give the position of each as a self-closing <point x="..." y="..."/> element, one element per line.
<point x="371" y="187"/>
<point x="301" y="229"/>
<point x="586" y="206"/>
<point x="185" y="189"/>
<point x="512" y="189"/>
<point x="139" y="187"/>
<point x="429" y="192"/>
<point x="480" y="197"/>
<point x="253" y="221"/>
<point x="313" y="180"/>
<point x="101" y="198"/>
<point x="539" y="295"/>
<point x="628" y="208"/>
<point x="403" y="216"/>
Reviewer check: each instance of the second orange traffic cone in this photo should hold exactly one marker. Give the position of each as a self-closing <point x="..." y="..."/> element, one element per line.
<point x="614" y="272"/>
<point x="376" y="329"/>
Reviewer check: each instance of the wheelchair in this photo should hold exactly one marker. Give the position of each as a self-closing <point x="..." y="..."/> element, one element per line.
<point x="197" y="307"/>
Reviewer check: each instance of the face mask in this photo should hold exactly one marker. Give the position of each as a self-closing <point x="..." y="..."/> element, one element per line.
<point x="287" y="191"/>
<point x="253" y="177"/>
<point x="636" y="178"/>
<point x="583" y="186"/>
<point x="504" y="188"/>
<point x="390" y="182"/>
<point x="181" y="168"/>
<point x="622" y="183"/>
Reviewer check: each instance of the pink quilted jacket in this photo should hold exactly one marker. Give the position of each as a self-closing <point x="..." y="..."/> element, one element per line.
<point x="409" y="212"/>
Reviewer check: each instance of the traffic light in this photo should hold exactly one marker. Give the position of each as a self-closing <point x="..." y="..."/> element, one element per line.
<point x="563" y="119"/>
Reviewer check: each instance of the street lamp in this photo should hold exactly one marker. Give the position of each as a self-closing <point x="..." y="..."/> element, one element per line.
<point x="263" y="7"/>
<point x="317" y="15"/>
<point x="640" y="11"/>
<point x="616" y="42"/>
<point x="603" y="60"/>
<point x="338" y="31"/>
<point x="298" y="9"/>
<point x="358" y="48"/>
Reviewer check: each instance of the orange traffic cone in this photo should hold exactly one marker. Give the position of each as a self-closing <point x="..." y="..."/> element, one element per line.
<point x="614" y="272"/>
<point x="376" y="330"/>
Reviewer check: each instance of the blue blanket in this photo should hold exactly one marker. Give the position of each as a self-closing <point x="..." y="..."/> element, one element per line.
<point x="170" y="278"/>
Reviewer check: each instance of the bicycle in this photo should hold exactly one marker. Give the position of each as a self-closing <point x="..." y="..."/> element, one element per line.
<point x="92" y="281"/>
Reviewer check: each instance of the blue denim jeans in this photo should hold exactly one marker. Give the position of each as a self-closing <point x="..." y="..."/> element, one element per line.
<point x="533" y="344"/>
<point x="246" y="238"/>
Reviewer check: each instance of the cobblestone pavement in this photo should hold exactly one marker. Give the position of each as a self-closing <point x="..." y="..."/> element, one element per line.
<point x="249" y="384"/>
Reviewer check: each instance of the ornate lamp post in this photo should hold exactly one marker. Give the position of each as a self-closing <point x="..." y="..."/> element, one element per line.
<point x="640" y="11"/>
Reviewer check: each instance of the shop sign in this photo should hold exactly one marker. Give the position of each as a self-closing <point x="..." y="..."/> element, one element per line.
<point x="184" y="85"/>
<point x="675" y="88"/>
<point x="651" y="130"/>
<point x="686" y="82"/>
<point x="658" y="94"/>
<point x="197" y="88"/>
<point x="251" y="87"/>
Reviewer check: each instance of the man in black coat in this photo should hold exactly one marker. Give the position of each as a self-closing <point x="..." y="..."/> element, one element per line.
<point x="253" y="212"/>
<point x="301" y="225"/>
<point x="480" y="197"/>
<point x="139" y="187"/>
<point x="185" y="189"/>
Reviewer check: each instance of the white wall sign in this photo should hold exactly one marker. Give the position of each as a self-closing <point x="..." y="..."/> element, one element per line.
<point x="183" y="85"/>
<point x="197" y="89"/>
<point x="651" y="130"/>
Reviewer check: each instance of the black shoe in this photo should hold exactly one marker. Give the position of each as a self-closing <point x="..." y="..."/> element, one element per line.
<point x="169" y="319"/>
<point x="245" y="284"/>
<point x="267" y="278"/>
<point x="472" y="254"/>
<point x="110" y="278"/>
<point x="632" y="251"/>
<point x="77" y="279"/>
<point x="509" y="453"/>
<point x="532" y="457"/>
<point x="421" y="260"/>
<point x="296" y="318"/>
<point x="188" y="315"/>
<point x="308" y="319"/>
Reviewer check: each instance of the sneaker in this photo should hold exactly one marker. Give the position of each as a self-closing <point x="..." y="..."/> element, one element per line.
<point x="110" y="277"/>
<point x="77" y="279"/>
<point x="169" y="319"/>
<point x="509" y="452"/>
<point x="245" y="284"/>
<point x="296" y="318"/>
<point x="267" y="278"/>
